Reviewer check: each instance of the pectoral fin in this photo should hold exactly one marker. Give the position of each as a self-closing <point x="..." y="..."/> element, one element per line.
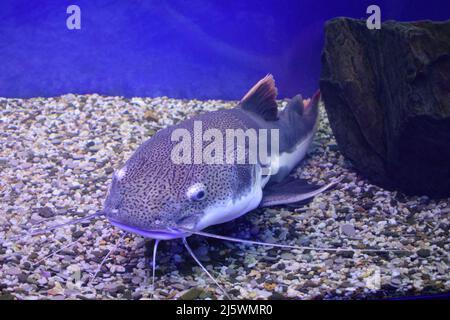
<point x="292" y="192"/>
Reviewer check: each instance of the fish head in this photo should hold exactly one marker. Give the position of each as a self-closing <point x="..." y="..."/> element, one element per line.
<point x="153" y="196"/>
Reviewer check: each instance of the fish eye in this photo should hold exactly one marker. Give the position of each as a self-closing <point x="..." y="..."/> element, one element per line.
<point x="196" y="192"/>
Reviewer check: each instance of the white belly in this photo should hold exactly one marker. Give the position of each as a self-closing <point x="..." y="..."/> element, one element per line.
<point x="231" y="210"/>
<point x="289" y="160"/>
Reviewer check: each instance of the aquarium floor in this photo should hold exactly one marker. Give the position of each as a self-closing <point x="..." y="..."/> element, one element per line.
<point x="56" y="159"/>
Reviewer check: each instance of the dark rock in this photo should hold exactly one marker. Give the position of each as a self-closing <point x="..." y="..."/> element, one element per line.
<point x="333" y="147"/>
<point x="389" y="233"/>
<point x="346" y="254"/>
<point x="387" y="96"/>
<point x="423" y="253"/>
<point x="23" y="277"/>
<point x="109" y="170"/>
<point x="290" y="276"/>
<point x="46" y="212"/>
<point x="344" y="210"/>
<point x="33" y="256"/>
<point x="128" y="295"/>
<point x="277" y="296"/>
<point x="234" y="292"/>
<point x="281" y="266"/>
<point x="77" y="234"/>
<point x="368" y="205"/>
<point x="311" y="284"/>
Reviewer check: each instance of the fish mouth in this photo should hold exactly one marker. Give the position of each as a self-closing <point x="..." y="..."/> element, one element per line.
<point x="159" y="234"/>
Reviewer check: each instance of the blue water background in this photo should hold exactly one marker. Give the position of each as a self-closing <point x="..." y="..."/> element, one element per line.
<point x="182" y="49"/>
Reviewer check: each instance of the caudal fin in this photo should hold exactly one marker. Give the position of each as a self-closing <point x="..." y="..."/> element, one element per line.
<point x="313" y="105"/>
<point x="299" y="110"/>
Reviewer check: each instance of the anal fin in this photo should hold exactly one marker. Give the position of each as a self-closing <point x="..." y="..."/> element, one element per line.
<point x="293" y="192"/>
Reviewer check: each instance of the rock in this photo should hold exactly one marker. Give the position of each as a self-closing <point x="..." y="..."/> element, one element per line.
<point x="151" y="116"/>
<point x="231" y="272"/>
<point x="136" y="295"/>
<point x="396" y="282"/>
<point x="269" y="286"/>
<point x="114" y="288"/>
<point x="423" y="253"/>
<point x="33" y="255"/>
<point x="13" y="271"/>
<point x="77" y="234"/>
<point x="387" y="97"/>
<point x="287" y="256"/>
<point x="23" y="277"/>
<point x="281" y="266"/>
<point x="56" y="142"/>
<point x="191" y="294"/>
<point x="346" y="254"/>
<point x="3" y="162"/>
<point x="109" y="170"/>
<point x="46" y="212"/>
<point x="56" y="290"/>
<point x="348" y="230"/>
<point x="277" y="296"/>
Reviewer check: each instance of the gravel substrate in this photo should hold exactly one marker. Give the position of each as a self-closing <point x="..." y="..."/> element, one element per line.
<point x="56" y="159"/>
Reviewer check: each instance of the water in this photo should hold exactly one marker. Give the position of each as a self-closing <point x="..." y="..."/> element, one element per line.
<point x="145" y="48"/>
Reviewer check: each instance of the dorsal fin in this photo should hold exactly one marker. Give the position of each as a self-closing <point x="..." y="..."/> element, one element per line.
<point x="261" y="99"/>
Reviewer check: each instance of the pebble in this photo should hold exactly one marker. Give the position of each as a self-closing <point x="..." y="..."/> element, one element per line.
<point x="90" y="144"/>
<point x="191" y="294"/>
<point x="14" y="271"/>
<point x="346" y="254"/>
<point x="423" y="253"/>
<point x="46" y="212"/>
<point x="287" y="256"/>
<point x="113" y="288"/>
<point x="348" y="230"/>
<point x="150" y="116"/>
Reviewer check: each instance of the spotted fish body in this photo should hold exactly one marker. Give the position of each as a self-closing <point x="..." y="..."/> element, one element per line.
<point x="157" y="198"/>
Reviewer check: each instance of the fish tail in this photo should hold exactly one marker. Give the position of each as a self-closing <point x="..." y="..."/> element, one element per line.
<point x="312" y="107"/>
<point x="303" y="113"/>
